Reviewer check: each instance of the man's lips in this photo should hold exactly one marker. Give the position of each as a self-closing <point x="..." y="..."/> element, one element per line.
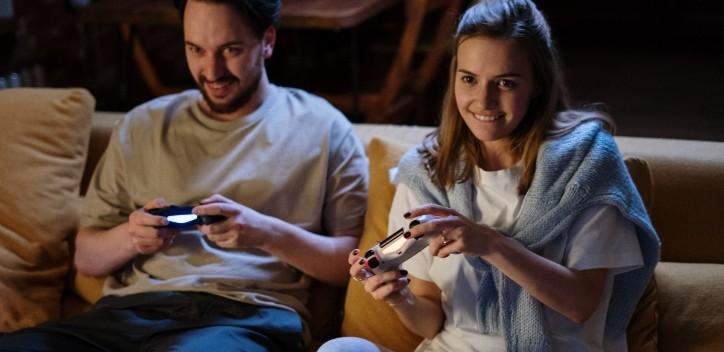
<point x="218" y="88"/>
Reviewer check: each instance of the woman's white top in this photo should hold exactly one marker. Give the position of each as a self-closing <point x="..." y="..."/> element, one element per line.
<point x="599" y="238"/>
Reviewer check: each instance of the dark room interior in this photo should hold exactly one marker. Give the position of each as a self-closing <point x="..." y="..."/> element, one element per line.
<point x="283" y="224"/>
<point x="657" y="66"/>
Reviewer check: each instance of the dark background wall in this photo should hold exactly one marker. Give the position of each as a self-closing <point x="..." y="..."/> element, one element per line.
<point x="658" y="65"/>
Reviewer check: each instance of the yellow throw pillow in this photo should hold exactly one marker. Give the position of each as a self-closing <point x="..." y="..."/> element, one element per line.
<point x="44" y="134"/>
<point x="364" y="316"/>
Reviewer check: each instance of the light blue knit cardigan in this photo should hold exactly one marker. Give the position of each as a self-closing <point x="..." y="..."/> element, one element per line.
<point x="581" y="169"/>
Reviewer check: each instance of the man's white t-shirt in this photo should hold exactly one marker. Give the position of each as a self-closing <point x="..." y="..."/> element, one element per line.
<point x="599" y="238"/>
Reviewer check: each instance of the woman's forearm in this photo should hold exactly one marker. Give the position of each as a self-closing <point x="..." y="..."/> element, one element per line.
<point x="572" y="293"/>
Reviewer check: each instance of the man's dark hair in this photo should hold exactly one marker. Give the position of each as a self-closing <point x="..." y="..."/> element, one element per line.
<point x="260" y="14"/>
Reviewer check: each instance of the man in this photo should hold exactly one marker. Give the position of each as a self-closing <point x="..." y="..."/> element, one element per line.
<point x="281" y="166"/>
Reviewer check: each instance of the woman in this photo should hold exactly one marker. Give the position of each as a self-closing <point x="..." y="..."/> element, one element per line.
<point x="543" y="242"/>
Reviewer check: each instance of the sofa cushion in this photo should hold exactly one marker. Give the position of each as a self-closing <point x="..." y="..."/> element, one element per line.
<point x="691" y="306"/>
<point x="364" y="316"/>
<point x="45" y="139"/>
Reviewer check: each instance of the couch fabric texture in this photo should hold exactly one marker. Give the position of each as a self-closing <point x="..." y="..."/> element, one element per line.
<point x="47" y="138"/>
<point x="44" y="134"/>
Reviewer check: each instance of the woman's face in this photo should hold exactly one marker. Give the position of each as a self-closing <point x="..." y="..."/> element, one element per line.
<point x="493" y="86"/>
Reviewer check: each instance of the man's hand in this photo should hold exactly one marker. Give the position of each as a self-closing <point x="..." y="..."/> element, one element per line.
<point x="243" y="228"/>
<point x="145" y="232"/>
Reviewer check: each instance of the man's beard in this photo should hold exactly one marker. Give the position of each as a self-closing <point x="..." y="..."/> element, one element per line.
<point x="237" y="102"/>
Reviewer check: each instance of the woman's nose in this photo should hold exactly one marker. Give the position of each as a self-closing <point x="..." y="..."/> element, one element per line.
<point x="489" y="96"/>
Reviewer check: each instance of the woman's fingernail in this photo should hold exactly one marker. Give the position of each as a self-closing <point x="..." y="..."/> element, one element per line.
<point x="407" y="215"/>
<point x="407" y="234"/>
<point x="403" y="272"/>
<point x="355" y="252"/>
<point x="361" y="261"/>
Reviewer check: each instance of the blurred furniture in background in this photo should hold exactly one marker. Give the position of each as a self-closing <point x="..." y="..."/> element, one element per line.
<point x="403" y="81"/>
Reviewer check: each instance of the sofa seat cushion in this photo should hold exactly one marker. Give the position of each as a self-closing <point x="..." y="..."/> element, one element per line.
<point x="691" y="306"/>
<point x="45" y="139"/>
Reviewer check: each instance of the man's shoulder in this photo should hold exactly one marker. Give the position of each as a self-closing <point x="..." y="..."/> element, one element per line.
<point x="168" y="102"/>
<point x="309" y="105"/>
<point x="159" y="107"/>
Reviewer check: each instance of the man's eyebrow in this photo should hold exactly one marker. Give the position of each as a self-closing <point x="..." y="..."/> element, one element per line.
<point x="238" y="42"/>
<point x="220" y="46"/>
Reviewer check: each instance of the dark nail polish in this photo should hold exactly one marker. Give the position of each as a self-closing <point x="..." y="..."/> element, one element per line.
<point x="361" y="261"/>
<point x="407" y="234"/>
<point x="403" y="272"/>
<point x="355" y="252"/>
<point x="407" y="215"/>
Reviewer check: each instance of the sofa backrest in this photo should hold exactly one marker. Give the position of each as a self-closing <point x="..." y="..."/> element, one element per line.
<point x="688" y="195"/>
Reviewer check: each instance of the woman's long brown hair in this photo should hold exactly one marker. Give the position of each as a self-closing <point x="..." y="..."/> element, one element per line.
<point x="452" y="152"/>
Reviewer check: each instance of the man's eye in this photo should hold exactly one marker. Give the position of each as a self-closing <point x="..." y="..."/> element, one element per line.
<point x="231" y="51"/>
<point x="507" y="84"/>
<point x="193" y="49"/>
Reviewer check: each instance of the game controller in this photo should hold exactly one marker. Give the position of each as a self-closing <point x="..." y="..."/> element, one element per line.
<point x="181" y="217"/>
<point x="396" y="248"/>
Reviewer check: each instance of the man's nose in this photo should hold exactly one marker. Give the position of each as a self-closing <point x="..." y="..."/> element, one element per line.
<point x="214" y="67"/>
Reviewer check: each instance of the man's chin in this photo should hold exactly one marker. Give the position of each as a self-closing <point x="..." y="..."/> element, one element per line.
<point x="223" y="105"/>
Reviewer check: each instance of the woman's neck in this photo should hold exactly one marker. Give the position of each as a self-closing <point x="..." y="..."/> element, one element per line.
<point x="497" y="155"/>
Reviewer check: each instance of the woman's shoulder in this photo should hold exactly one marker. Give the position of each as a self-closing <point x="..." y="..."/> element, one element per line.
<point x="581" y="138"/>
<point x="411" y="167"/>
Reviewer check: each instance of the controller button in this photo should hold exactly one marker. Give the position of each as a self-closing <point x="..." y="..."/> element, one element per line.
<point x="373" y="262"/>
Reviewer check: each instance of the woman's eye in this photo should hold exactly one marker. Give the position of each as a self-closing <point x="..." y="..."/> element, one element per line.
<point x="467" y="79"/>
<point x="506" y="84"/>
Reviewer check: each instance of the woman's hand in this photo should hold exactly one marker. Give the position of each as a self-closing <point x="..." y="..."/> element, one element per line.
<point x="389" y="287"/>
<point x="456" y="233"/>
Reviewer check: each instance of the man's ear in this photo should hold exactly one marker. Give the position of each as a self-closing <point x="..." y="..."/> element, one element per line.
<point x="268" y="41"/>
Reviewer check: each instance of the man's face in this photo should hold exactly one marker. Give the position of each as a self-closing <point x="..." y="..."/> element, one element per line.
<point x="225" y="57"/>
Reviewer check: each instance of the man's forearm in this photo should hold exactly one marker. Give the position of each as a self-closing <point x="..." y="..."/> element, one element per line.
<point x="99" y="252"/>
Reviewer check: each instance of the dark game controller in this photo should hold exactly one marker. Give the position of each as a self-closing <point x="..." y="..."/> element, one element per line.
<point x="396" y="248"/>
<point x="181" y="217"/>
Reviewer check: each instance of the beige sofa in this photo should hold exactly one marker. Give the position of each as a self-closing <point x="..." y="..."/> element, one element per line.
<point x="52" y="139"/>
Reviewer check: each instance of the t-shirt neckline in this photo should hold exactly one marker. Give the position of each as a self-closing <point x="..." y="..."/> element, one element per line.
<point x="267" y="104"/>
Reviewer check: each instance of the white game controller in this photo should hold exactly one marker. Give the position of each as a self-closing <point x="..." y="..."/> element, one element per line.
<point x="396" y="248"/>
